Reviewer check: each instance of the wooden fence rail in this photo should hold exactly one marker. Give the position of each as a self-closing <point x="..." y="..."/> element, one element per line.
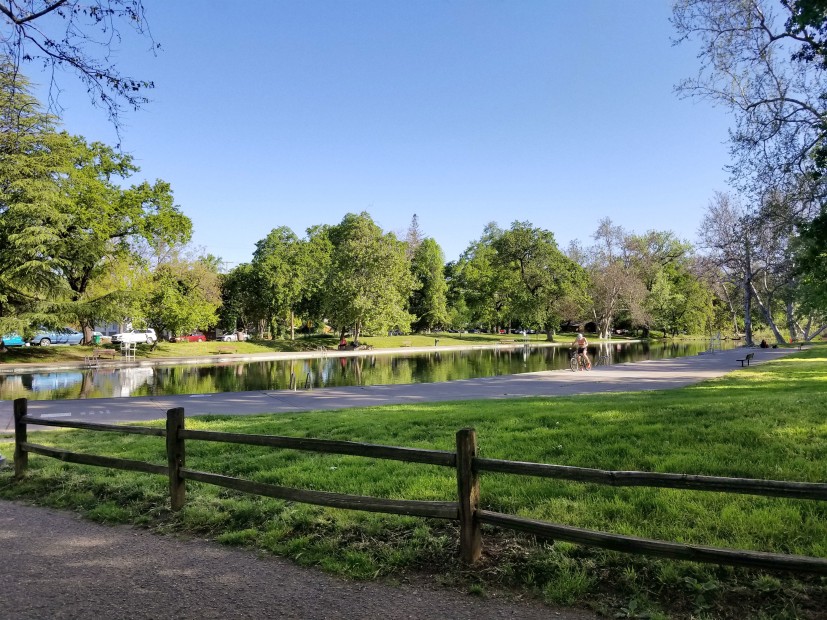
<point x="465" y="509"/>
<point x="439" y="510"/>
<point x="408" y="455"/>
<point x="643" y="546"/>
<point x="774" y="488"/>
<point x="93" y="459"/>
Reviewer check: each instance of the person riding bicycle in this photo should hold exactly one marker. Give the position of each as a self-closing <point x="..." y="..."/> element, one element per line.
<point x="581" y="343"/>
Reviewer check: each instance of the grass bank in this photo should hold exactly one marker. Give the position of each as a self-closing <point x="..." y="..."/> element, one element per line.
<point x="763" y="422"/>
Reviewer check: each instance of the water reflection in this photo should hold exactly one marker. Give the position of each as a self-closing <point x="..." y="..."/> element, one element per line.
<point x="331" y="371"/>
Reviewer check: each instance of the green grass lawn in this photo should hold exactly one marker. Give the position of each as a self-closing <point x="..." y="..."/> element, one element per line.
<point x="767" y="421"/>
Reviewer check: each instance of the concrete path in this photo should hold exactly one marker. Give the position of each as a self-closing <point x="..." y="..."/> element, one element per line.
<point x="633" y="376"/>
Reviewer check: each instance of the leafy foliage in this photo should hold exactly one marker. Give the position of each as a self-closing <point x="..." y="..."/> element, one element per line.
<point x="66" y="225"/>
<point x="550" y="282"/>
<point x="369" y="281"/>
<point x="184" y="295"/>
<point x="428" y="301"/>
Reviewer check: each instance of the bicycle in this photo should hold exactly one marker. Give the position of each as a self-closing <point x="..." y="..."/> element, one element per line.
<point x="577" y="361"/>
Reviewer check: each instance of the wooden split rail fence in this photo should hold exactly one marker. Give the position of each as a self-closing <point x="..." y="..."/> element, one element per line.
<point x="466" y="510"/>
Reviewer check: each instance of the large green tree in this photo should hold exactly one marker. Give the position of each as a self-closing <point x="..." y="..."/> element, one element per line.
<point x="104" y="224"/>
<point x="183" y="295"/>
<point x="279" y="264"/>
<point x="33" y="156"/>
<point x="810" y="253"/>
<point x="369" y="281"/>
<point x="481" y="285"/>
<point x="289" y="273"/>
<point x="664" y="265"/>
<point x="679" y="302"/>
<point x="550" y="281"/>
<point x="241" y="303"/>
<point x="66" y="223"/>
<point x="428" y="301"/>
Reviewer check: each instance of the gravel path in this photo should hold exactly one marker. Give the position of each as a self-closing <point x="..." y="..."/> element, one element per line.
<point x="55" y="565"/>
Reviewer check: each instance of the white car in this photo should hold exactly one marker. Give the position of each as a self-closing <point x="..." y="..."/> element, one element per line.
<point x="136" y="336"/>
<point x="235" y="337"/>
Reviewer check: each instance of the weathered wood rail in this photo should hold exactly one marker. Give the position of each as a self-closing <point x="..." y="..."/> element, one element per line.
<point x="465" y="509"/>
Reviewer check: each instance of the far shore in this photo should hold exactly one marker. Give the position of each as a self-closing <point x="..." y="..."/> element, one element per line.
<point x="63" y="357"/>
<point x="18" y="367"/>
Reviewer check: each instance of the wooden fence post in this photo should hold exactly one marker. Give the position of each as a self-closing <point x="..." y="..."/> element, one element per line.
<point x="176" y="454"/>
<point x="21" y="457"/>
<point x="468" y="486"/>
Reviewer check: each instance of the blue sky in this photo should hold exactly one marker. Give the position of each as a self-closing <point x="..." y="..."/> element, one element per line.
<point x="276" y="113"/>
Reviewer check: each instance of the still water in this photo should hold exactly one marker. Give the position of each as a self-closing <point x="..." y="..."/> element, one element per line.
<point x="323" y="372"/>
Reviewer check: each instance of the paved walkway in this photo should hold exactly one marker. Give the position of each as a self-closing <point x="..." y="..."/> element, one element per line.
<point x="633" y="376"/>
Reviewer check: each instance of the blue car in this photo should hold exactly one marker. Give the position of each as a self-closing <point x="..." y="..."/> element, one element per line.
<point x="13" y="340"/>
<point x="61" y="335"/>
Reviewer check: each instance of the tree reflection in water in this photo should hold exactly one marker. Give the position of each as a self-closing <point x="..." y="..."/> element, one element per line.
<point x="431" y="367"/>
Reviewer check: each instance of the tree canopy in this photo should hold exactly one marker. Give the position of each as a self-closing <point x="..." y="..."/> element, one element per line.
<point x="67" y="225"/>
<point x="428" y="301"/>
<point x="369" y="281"/>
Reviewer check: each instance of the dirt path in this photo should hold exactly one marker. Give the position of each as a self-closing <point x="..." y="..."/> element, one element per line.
<point x="55" y="565"/>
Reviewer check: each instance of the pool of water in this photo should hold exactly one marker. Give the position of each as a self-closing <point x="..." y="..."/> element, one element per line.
<point x="330" y="371"/>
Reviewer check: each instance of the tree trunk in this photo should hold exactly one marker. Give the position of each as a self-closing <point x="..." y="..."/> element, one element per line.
<point x="748" y="298"/>
<point x="292" y="329"/>
<point x="791" y="323"/>
<point x="733" y="311"/>
<point x="604" y="327"/>
<point x="271" y="326"/>
<point x="767" y="312"/>
<point x="86" y="328"/>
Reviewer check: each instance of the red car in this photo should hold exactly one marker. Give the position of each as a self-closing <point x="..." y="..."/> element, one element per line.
<point x="192" y="337"/>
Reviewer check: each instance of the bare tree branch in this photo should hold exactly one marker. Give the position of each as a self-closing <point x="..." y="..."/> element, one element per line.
<point x="90" y="31"/>
<point x="31" y="16"/>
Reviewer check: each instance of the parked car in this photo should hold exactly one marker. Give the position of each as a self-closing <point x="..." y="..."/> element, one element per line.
<point x="62" y="335"/>
<point x="13" y="340"/>
<point x="136" y="336"/>
<point x="191" y="337"/>
<point x="235" y="337"/>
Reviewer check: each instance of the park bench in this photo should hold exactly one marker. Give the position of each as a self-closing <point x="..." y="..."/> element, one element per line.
<point x="406" y="343"/>
<point x="99" y="353"/>
<point x="746" y="359"/>
<point x="225" y="351"/>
